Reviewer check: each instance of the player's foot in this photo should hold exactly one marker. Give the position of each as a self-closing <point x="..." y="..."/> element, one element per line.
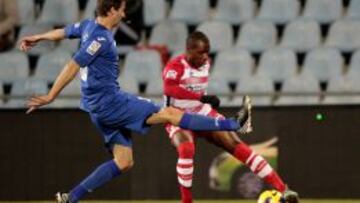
<point x="244" y="116"/>
<point x="62" y="197"/>
<point x="290" y="196"/>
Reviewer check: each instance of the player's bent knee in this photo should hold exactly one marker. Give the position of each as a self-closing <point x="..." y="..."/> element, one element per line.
<point x="124" y="164"/>
<point x="171" y="111"/>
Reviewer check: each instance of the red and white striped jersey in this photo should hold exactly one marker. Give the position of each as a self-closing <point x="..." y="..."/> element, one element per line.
<point x="184" y="85"/>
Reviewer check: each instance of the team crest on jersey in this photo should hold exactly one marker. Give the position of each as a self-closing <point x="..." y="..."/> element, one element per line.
<point x="171" y="74"/>
<point x="93" y="47"/>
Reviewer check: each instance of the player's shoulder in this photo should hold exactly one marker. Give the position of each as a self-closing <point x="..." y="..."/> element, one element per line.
<point x="101" y="37"/>
<point x="176" y="62"/>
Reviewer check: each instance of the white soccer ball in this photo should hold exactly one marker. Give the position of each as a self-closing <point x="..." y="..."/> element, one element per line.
<point x="270" y="196"/>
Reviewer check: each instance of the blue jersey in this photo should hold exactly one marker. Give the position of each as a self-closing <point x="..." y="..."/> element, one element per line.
<point x="114" y="112"/>
<point x="98" y="59"/>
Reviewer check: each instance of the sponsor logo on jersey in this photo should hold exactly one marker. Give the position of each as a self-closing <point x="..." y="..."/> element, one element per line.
<point x="93" y="47"/>
<point x="171" y="74"/>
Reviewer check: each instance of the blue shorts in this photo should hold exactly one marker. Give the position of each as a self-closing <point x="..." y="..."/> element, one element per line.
<point x="122" y="117"/>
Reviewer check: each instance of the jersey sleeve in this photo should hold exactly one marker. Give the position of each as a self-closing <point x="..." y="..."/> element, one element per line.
<point x="90" y="49"/>
<point x="75" y="30"/>
<point x="172" y="75"/>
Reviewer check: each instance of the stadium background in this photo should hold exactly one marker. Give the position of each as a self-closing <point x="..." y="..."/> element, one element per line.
<point x="298" y="59"/>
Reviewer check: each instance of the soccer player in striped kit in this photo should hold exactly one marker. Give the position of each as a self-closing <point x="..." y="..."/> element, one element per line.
<point x="185" y="82"/>
<point x="113" y="111"/>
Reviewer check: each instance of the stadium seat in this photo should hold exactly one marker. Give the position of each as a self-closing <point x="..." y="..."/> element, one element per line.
<point x="154" y="11"/>
<point x="1" y="95"/>
<point x="231" y="65"/>
<point x="279" y="11"/>
<point x="235" y="11"/>
<point x="59" y="12"/>
<point x="260" y="87"/>
<point x="155" y="87"/>
<point x="69" y="45"/>
<point x="300" y="90"/>
<point x="219" y="33"/>
<point x="128" y="84"/>
<point x="353" y="12"/>
<point x="344" y="35"/>
<point x="301" y="36"/>
<point x="69" y="96"/>
<point x="343" y="90"/>
<point x="24" y="88"/>
<point x="278" y="64"/>
<point x="154" y="91"/>
<point x="220" y="88"/>
<point x="189" y="11"/>
<point x="14" y="65"/>
<point x="90" y="9"/>
<point x="26" y="11"/>
<point x="354" y="67"/>
<point x="41" y="47"/>
<point x="50" y="65"/>
<point x="169" y="33"/>
<point x="322" y="11"/>
<point x="140" y="67"/>
<point x="323" y="63"/>
<point x="257" y="36"/>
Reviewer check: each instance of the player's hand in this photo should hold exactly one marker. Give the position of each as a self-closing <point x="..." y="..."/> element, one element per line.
<point x="213" y="100"/>
<point x="36" y="102"/>
<point x="27" y="43"/>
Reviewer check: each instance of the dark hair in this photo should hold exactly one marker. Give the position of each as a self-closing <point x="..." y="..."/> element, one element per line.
<point x="195" y="37"/>
<point x="104" y="6"/>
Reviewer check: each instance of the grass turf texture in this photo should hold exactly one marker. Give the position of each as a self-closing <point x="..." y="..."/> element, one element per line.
<point x="198" y="201"/>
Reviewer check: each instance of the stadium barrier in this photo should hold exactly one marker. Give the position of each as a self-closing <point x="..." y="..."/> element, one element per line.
<point x="50" y="150"/>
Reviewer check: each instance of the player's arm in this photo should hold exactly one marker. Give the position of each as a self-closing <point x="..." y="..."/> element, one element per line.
<point x="70" y="31"/>
<point x="65" y="77"/>
<point x="171" y="76"/>
<point x="26" y="43"/>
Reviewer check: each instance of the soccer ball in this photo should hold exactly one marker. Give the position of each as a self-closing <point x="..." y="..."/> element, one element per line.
<point x="270" y="196"/>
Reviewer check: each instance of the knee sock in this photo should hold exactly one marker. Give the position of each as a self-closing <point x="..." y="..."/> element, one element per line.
<point x="185" y="169"/>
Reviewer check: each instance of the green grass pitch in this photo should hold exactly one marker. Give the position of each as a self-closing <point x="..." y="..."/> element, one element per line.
<point x="199" y="201"/>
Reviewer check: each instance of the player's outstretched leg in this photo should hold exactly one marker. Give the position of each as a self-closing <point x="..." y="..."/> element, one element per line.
<point x="258" y="165"/>
<point x="104" y="173"/>
<point x="101" y="175"/>
<point x="196" y="122"/>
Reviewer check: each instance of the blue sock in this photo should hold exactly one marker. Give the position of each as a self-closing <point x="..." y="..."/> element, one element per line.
<point x="202" y="123"/>
<point x="103" y="174"/>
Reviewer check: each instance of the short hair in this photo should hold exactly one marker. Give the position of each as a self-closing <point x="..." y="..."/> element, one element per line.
<point x="195" y="37"/>
<point x="104" y="6"/>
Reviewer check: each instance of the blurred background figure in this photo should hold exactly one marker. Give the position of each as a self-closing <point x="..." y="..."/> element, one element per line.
<point x="8" y="20"/>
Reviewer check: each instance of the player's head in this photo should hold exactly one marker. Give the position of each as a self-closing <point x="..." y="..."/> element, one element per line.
<point x="112" y="9"/>
<point x="197" y="49"/>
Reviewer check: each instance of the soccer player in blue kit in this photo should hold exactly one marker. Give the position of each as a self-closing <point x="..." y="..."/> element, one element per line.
<point x="114" y="112"/>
